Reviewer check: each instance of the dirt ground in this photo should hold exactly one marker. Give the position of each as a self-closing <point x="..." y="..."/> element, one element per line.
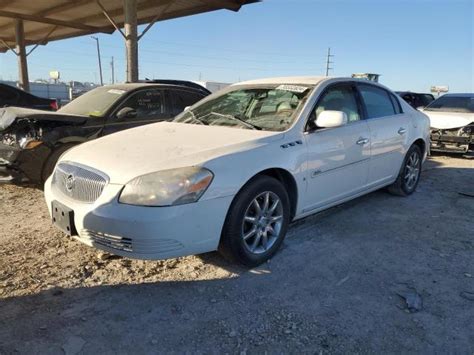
<point x="338" y="285"/>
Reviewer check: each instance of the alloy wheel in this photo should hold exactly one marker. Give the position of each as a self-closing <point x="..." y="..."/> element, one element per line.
<point x="412" y="170"/>
<point x="262" y="222"/>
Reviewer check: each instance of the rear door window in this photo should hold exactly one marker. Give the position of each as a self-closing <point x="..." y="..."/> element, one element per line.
<point x="396" y="104"/>
<point x="377" y="101"/>
<point x="183" y="98"/>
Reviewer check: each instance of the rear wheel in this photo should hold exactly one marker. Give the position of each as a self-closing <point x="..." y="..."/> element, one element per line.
<point x="256" y="223"/>
<point x="409" y="175"/>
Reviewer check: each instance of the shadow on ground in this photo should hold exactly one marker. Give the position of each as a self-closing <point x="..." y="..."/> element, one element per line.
<point x="333" y="288"/>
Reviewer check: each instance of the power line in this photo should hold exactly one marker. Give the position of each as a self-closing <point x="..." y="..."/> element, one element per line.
<point x="221" y="49"/>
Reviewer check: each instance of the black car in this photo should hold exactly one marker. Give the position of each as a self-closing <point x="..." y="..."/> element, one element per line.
<point x="31" y="141"/>
<point x="11" y="96"/>
<point x="416" y="100"/>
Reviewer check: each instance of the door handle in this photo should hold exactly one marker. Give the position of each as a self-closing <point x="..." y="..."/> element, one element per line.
<point x="402" y="131"/>
<point x="363" y="141"/>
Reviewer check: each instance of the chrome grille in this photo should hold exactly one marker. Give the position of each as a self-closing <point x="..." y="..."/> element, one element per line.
<point x="79" y="183"/>
<point x="111" y="241"/>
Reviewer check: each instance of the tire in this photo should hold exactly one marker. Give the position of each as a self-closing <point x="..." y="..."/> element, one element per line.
<point x="51" y="161"/>
<point x="409" y="174"/>
<point x="265" y="232"/>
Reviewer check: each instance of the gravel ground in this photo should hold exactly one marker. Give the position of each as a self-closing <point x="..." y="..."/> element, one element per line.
<point x="340" y="284"/>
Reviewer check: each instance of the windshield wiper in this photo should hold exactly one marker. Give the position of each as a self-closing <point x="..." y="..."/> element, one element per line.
<point x="245" y="123"/>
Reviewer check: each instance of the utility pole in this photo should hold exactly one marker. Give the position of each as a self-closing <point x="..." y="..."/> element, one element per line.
<point x="113" y="71"/>
<point x="328" y="61"/>
<point x="98" y="56"/>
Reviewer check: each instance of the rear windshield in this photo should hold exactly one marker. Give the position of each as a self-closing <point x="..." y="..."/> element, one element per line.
<point x="93" y="103"/>
<point x="463" y="104"/>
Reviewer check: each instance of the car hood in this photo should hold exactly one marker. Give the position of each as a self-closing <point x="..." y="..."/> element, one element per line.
<point x="8" y="115"/>
<point x="165" y="145"/>
<point x="449" y="120"/>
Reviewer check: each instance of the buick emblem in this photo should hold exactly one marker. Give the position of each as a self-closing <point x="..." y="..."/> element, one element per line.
<point x="70" y="181"/>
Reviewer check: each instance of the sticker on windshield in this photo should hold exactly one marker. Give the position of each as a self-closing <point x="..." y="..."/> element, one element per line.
<point x="292" y="88"/>
<point x="116" y="91"/>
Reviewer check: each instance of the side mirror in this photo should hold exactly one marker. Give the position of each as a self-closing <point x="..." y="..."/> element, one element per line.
<point x="330" y="119"/>
<point x="126" y="112"/>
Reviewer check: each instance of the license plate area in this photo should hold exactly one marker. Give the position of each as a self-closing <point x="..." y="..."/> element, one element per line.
<point x="63" y="218"/>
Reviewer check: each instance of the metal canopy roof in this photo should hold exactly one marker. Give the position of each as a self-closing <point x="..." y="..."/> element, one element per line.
<point x="51" y="20"/>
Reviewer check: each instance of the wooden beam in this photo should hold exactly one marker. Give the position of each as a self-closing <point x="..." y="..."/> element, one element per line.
<point x="49" y="11"/>
<point x="5" y="3"/>
<point x="150" y="5"/>
<point x="34" y="18"/>
<point x="145" y="5"/>
<point x="226" y="4"/>
<point x="111" y="20"/>
<point x="63" y="7"/>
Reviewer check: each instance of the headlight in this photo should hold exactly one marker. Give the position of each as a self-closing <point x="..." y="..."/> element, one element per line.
<point x="167" y="187"/>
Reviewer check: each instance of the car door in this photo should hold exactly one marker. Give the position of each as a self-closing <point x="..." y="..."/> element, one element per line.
<point x="141" y="107"/>
<point x="337" y="158"/>
<point x="388" y="127"/>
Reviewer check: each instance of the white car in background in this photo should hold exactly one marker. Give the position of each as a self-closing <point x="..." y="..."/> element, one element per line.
<point x="231" y="172"/>
<point x="452" y="123"/>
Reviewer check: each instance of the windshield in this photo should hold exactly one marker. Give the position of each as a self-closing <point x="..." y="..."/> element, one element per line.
<point x="93" y="103"/>
<point x="264" y="108"/>
<point x="463" y="104"/>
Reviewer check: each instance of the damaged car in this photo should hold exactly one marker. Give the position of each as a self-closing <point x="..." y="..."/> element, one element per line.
<point x="232" y="171"/>
<point x="452" y="124"/>
<point x="31" y="141"/>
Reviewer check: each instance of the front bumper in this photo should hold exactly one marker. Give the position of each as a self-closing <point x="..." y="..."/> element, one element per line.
<point x="8" y="170"/>
<point x="18" y="165"/>
<point x="145" y="232"/>
<point x="451" y="143"/>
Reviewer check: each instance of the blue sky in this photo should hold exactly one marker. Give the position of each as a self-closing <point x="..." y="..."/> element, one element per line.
<point x="413" y="43"/>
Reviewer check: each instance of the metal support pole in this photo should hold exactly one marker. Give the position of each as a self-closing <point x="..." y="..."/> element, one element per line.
<point x="100" y="63"/>
<point x="21" y="53"/>
<point x="328" y="61"/>
<point x="113" y="70"/>
<point x="131" y="39"/>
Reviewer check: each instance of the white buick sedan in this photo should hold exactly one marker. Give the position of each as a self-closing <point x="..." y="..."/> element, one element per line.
<point x="231" y="172"/>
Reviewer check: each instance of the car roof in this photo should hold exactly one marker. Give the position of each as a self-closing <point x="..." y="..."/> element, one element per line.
<point x="176" y="83"/>
<point x="307" y="80"/>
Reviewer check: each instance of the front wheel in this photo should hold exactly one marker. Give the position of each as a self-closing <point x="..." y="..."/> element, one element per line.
<point x="256" y="223"/>
<point x="409" y="175"/>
